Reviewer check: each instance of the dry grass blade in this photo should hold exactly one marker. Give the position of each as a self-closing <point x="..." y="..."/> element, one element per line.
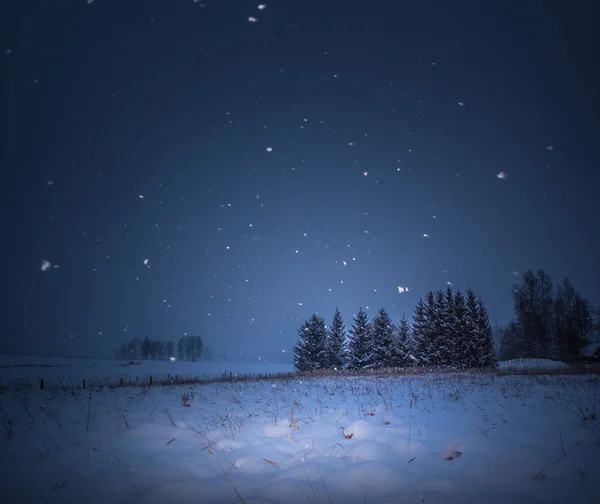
<point x="274" y="464"/>
<point x="453" y="455"/>
<point x="294" y="423"/>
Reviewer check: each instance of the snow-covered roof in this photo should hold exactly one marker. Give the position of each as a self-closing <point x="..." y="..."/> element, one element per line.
<point x="531" y="364"/>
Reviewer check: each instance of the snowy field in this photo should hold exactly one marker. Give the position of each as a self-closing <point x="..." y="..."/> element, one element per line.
<point x="435" y="439"/>
<point x="18" y="370"/>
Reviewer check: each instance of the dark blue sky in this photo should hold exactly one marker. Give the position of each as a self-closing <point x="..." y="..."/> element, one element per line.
<point x="267" y="170"/>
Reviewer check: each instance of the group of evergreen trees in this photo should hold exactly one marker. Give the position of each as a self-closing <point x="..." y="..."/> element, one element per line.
<point x="449" y="330"/>
<point x="550" y="322"/>
<point x="453" y="330"/>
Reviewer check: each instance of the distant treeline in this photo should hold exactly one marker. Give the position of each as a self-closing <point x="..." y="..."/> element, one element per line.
<point x="189" y="348"/>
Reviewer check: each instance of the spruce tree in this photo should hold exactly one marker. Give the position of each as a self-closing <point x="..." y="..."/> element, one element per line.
<point x="472" y="329"/>
<point x="383" y="339"/>
<point x="361" y="345"/>
<point x="434" y="308"/>
<point x="422" y="334"/>
<point x="445" y="336"/>
<point x="486" y="357"/>
<point x="461" y="332"/>
<point x="402" y="344"/>
<point x="336" y="342"/>
<point x="310" y="352"/>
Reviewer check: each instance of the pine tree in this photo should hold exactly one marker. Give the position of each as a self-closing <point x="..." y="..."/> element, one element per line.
<point x="462" y="331"/>
<point x="486" y="357"/>
<point x="422" y="334"/>
<point x="310" y="351"/>
<point x="402" y="344"/>
<point x="383" y="339"/>
<point x="446" y="339"/>
<point x="435" y="314"/>
<point x="361" y="345"/>
<point x="471" y="340"/>
<point x="300" y="350"/>
<point x="337" y="350"/>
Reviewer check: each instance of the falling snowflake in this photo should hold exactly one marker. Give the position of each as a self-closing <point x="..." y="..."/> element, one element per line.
<point x="252" y="19"/>
<point x="402" y="290"/>
<point x="262" y="6"/>
<point x="350" y="144"/>
<point x="516" y="273"/>
<point x="269" y="149"/>
<point x="425" y="235"/>
<point x="449" y="283"/>
<point x="8" y="51"/>
<point x="502" y="175"/>
<point x="50" y="183"/>
<point x="344" y="263"/>
<point x="550" y="147"/>
<point x="46" y="265"/>
<point x="140" y="196"/>
<point x="146" y="262"/>
<point x="461" y="104"/>
<point x="365" y="173"/>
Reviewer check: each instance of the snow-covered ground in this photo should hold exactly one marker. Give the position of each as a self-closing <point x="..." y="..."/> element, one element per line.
<point x="533" y="364"/>
<point x="470" y="438"/>
<point x="18" y="369"/>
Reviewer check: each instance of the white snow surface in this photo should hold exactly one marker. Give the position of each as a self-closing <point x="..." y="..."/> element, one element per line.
<point x="68" y="371"/>
<point x="434" y="439"/>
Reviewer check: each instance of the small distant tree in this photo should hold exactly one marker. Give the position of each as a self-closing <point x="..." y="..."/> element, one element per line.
<point x="146" y="348"/>
<point x="181" y="349"/>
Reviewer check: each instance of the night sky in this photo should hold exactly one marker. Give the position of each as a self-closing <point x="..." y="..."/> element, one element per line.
<point x="224" y="168"/>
